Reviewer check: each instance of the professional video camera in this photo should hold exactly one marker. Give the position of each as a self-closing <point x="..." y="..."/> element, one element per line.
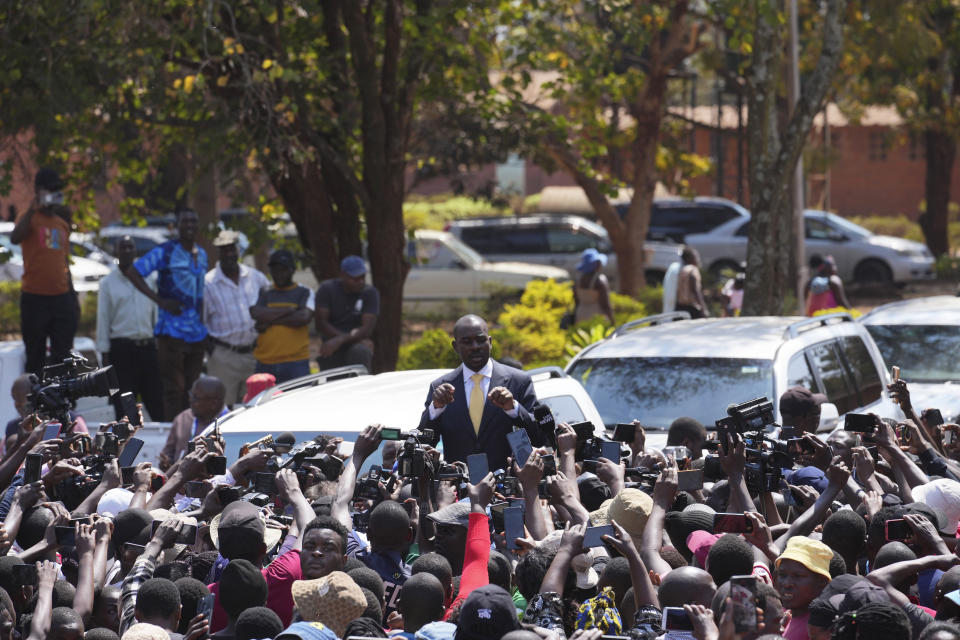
<point x="368" y="485"/>
<point x="55" y="393"/>
<point x="413" y="460"/>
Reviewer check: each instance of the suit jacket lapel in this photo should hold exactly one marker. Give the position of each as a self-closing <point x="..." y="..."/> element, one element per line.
<point x="497" y="379"/>
<point x="460" y="402"/>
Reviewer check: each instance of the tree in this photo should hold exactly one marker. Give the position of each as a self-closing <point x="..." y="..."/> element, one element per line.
<point x="590" y="85"/>
<point x="774" y="152"/>
<point x="320" y="96"/>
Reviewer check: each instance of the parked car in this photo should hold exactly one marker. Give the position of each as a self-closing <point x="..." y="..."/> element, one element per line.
<point x="922" y="337"/>
<point x="556" y="240"/>
<point x="673" y="219"/>
<point x="444" y="268"/>
<point x="349" y="399"/>
<point x="657" y="369"/>
<point x="861" y="255"/>
<point x="86" y="274"/>
<point x="145" y="238"/>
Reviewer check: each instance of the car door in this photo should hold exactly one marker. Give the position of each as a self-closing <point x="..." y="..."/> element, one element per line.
<point x="823" y="239"/>
<point x="437" y="273"/>
<point x="832" y="376"/>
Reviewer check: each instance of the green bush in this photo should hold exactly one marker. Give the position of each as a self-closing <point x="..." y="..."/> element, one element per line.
<point x="898" y="226"/>
<point x="431" y="351"/>
<point x="434" y="212"/>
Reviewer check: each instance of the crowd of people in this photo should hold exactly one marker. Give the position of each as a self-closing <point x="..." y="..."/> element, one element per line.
<point x="489" y="521"/>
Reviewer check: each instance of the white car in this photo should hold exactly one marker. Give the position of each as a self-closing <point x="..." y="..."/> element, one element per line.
<point x="861" y="255"/>
<point x="922" y="337"/>
<point x="86" y="274"/>
<point x="342" y="402"/>
<point x="444" y="268"/>
<point x="660" y="368"/>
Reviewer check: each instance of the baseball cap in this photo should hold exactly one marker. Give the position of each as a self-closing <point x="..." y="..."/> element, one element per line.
<point x="700" y="542"/>
<point x="282" y="257"/>
<point x="809" y="476"/>
<point x="335" y="600"/>
<point x="812" y="554"/>
<point x="353" y="266"/>
<point x="799" y="401"/>
<point x="488" y="612"/>
<point x="257" y="383"/>
<point x="582" y="564"/>
<point x="307" y="631"/>
<point x="241" y="521"/>
<point x="48" y="180"/>
<point x="942" y="495"/>
<point x="457" y="513"/>
<point x="680" y="524"/>
<point x="437" y="630"/>
<point x="225" y="238"/>
<point x="630" y="509"/>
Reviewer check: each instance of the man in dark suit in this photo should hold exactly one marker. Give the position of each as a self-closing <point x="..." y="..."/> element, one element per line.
<point x="473" y="407"/>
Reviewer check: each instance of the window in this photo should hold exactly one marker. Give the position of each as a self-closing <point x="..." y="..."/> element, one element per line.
<point x="677" y="221"/>
<point x="567" y="240"/>
<point x="833" y="379"/>
<point x="878" y="146"/>
<point x="820" y="229"/>
<point x="502" y="239"/>
<point x="924" y="353"/>
<point x="865" y="374"/>
<point x="433" y="254"/>
<point x="798" y="373"/>
<point x="744" y="230"/>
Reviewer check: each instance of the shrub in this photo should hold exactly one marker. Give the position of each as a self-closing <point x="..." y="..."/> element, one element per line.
<point x="530" y="331"/>
<point x="435" y="212"/>
<point x="431" y="351"/>
<point x="898" y="226"/>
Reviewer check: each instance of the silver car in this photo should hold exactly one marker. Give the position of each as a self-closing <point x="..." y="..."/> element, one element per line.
<point x="861" y="255"/>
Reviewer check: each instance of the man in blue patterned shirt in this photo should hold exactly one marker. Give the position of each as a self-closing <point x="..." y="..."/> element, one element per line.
<point x="180" y="265"/>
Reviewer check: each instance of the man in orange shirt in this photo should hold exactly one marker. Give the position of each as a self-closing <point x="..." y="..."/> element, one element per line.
<point x="49" y="307"/>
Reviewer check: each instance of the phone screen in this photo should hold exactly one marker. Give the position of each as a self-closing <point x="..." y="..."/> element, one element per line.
<point x="129" y="404"/>
<point x="592" y="535"/>
<point x="188" y="534"/>
<point x="583" y="430"/>
<point x="195" y="489"/>
<point x="520" y="445"/>
<point x="265" y="483"/>
<point x="897" y="529"/>
<point x="731" y="523"/>
<point x="743" y="591"/>
<point x="610" y="451"/>
<point x="66" y="536"/>
<point x="860" y="422"/>
<point x="51" y="431"/>
<point x="477" y="466"/>
<point x="205" y="606"/>
<point x="130" y="452"/>
<point x="389" y="434"/>
<point x="676" y="619"/>
<point x="513" y="525"/>
<point x="948" y="437"/>
<point x="624" y="432"/>
<point x="549" y="465"/>
<point x="690" y="480"/>
<point x="25" y="574"/>
<point x="31" y="471"/>
<point x="217" y="465"/>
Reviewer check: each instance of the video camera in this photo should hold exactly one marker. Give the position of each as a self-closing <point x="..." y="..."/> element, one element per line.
<point x="55" y="393"/>
<point x="413" y="460"/>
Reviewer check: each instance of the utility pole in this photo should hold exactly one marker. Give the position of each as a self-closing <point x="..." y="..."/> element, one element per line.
<point x="796" y="184"/>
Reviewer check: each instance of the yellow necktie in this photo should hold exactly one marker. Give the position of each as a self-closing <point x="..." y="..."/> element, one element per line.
<point x="476" y="401"/>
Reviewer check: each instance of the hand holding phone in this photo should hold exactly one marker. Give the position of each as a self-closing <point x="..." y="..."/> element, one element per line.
<point x="478" y="467"/>
<point x="690" y="480"/>
<point x="513" y="526"/>
<point x="743" y="592"/>
<point x="593" y="536"/>
<point x="731" y="523"/>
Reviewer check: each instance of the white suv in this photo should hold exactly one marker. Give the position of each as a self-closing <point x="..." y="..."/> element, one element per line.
<point x="656" y="369"/>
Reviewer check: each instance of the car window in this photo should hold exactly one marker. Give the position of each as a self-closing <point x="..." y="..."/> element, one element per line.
<point x="564" y="409"/>
<point x="865" y="374"/>
<point x="798" y="373"/>
<point x="820" y="229"/>
<point x="433" y="254"/>
<point x="744" y="230"/>
<point x="483" y="239"/>
<point x="659" y="390"/>
<point x="566" y="240"/>
<point x="833" y="379"/>
<point x="504" y="240"/>
<point x="691" y="219"/>
<point x="924" y="353"/>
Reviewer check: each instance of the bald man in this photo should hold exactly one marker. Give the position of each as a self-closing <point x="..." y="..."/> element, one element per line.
<point x="476" y="405"/>
<point x="207" y="397"/>
<point x="686" y="585"/>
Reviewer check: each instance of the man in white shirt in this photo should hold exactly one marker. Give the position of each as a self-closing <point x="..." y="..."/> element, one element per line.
<point x="125" y="322"/>
<point x="230" y="289"/>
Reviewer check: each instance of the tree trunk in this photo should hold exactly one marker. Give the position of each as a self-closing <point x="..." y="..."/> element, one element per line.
<point x="303" y="192"/>
<point x="205" y="204"/>
<point x="940" y="153"/>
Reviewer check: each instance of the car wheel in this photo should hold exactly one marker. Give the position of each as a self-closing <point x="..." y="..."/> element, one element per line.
<point x="872" y="271"/>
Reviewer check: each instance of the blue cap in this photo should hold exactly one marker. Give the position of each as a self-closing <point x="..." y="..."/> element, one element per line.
<point x="809" y="476"/>
<point x="307" y="631"/>
<point x="589" y="259"/>
<point x="437" y="630"/>
<point x="353" y="266"/>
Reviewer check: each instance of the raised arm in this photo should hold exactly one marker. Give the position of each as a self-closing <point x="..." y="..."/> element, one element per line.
<point x="367" y="442"/>
<point x="42" y="612"/>
<point x="837" y="476"/>
<point x="288" y="486"/>
<point x="664" y="492"/>
<point x="86" y="545"/>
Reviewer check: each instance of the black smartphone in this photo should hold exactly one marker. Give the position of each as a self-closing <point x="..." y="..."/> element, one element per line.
<point x="188" y="534"/>
<point x="589" y="466"/>
<point x="31" y="469"/>
<point x="859" y="422"/>
<point x="520" y="445"/>
<point x="873" y="450"/>
<point x="195" y="489"/>
<point x="265" y="482"/>
<point x="513" y="525"/>
<point x="743" y="591"/>
<point x="624" y="432"/>
<point x="934" y="417"/>
<point x="126" y="475"/>
<point x="390" y="434"/>
<point x="731" y="523"/>
<point x="948" y="436"/>
<point x="897" y="529"/>
<point x="477" y="466"/>
<point x="496" y="516"/>
<point x="610" y="451"/>
<point x="51" y="431"/>
<point x="800" y="444"/>
<point x="592" y="535"/>
<point x="25" y="575"/>
<point x="549" y="464"/>
<point x="130" y="452"/>
<point x="690" y="480"/>
<point x="137" y="548"/>
<point x="122" y="430"/>
<point x="584" y="430"/>
<point x="676" y="619"/>
<point x="217" y="465"/>
<point x="205" y="606"/>
<point x="228" y="494"/>
<point x="66" y="536"/>
<point x="129" y="405"/>
<point x="788" y="432"/>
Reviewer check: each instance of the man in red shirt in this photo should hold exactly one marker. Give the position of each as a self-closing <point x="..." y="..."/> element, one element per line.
<point x="49" y="307"/>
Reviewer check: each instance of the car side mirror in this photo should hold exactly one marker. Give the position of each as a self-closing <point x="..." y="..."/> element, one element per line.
<point x="460" y="264"/>
<point x="829" y="416"/>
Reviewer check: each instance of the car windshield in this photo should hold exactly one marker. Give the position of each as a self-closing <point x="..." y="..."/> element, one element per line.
<point x="924" y="353"/>
<point x="658" y="390"/>
<point x="466" y="253"/>
<point x="848" y="227"/>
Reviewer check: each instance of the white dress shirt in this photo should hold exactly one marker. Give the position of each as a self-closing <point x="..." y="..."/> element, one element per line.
<point x="487" y="372"/>
<point x="226" y="305"/>
<point x="122" y="311"/>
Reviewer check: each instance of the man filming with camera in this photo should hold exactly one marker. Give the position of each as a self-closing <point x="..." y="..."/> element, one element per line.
<point x="49" y="307"/>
